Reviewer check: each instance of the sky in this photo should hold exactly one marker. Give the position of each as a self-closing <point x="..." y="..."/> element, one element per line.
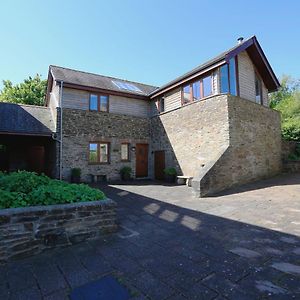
<point x="149" y="41"/>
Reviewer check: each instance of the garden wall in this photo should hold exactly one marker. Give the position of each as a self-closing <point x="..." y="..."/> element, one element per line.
<point x="30" y="230"/>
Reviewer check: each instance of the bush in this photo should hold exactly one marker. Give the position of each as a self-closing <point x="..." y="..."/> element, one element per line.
<point x="76" y="172"/>
<point x="125" y="170"/>
<point x="23" y="188"/>
<point x="170" y="171"/>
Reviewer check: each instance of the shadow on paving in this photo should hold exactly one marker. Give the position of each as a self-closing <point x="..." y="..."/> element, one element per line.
<point x="163" y="251"/>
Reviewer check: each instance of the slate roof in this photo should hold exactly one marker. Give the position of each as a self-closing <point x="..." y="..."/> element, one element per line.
<point x="96" y="81"/>
<point x="25" y="119"/>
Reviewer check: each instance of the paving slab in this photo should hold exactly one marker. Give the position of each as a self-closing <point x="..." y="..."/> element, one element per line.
<point x="241" y="244"/>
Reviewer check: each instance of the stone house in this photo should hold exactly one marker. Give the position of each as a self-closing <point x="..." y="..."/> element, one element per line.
<point x="212" y="123"/>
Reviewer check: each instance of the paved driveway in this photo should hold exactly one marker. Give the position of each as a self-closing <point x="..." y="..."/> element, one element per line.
<point x="244" y="244"/>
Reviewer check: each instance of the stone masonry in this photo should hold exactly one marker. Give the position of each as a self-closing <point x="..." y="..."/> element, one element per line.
<point x="221" y="141"/>
<point x="30" y="230"/>
<point x="81" y="127"/>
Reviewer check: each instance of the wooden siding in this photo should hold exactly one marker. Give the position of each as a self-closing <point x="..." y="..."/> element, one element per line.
<point x="78" y="99"/>
<point x="129" y="106"/>
<point x="173" y="99"/>
<point x="246" y="71"/>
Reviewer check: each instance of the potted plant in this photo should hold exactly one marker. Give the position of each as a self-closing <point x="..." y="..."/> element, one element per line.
<point x="125" y="173"/>
<point x="170" y="174"/>
<point x="75" y="175"/>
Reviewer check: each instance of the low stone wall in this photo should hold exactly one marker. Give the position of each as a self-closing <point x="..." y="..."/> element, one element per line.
<point x="288" y="147"/>
<point x="291" y="166"/>
<point x="30" y="230"/>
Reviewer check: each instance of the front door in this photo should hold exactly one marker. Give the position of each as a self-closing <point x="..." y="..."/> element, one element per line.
<point x="141" y="160"/>
<point x="159" y="164"/>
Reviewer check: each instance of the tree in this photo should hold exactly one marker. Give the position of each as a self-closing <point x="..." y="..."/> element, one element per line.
<point x="30" y="91"/>
<point x="288" y="86"/>
<point x="287" y="102"/>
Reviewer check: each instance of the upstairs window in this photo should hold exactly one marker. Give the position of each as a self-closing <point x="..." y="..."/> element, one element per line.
<point x="224" y="80"/>
<point x="98" y="102"/>
<point x="161" y="104"/>
<point x="207" y="86"/>
<point x="232" y="77"/>
<point x="258" y="90"/>
<point x="125" y="152"/>
<point x="186" y="94"/>
<point x="196" y="91"/>
<point x="228" y="75"/>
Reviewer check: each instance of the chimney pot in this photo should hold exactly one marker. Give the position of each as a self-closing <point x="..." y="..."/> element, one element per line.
<point x="240" y="40"/>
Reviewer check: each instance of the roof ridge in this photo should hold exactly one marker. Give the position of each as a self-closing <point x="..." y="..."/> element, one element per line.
<point x="110" y="77"/>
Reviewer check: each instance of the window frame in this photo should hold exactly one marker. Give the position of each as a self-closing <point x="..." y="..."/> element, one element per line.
<point x="200" y="79"/>
<point x="228" y="76"/>
<point x="99" y="95"/>
<point x="128" y="152"/>
<point x="98" y="162"/>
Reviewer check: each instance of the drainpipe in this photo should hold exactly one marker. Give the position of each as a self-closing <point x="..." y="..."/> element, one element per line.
<point x="61" y="134"/>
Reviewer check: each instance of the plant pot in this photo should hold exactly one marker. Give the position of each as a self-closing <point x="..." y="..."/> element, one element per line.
<point x="125" y="176"/>
<point x="170" y="178"/>
<point x="75" y="179"/>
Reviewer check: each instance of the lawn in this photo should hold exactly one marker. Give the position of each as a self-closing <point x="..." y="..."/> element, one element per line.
<point x="22" y="188"/>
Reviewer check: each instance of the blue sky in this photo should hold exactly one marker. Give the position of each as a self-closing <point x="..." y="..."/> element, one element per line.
<point x="147" y="41"/>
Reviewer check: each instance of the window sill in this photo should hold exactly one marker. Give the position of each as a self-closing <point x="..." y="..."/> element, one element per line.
<point x="98" y="163"/>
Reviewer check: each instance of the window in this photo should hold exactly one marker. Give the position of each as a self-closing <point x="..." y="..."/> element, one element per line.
<point x="258" y="90"/>
<point x="186" y="94"/>
<point x="160" y="104"/>
<point x="207" y="86"/>
<point x="93" y="102"/>
<point x="224" y="80"/>
<point x="196" y="91"/>
<point x="228" y="75"/>
<point x="99" y="152"/>
<point x="103" y="103"/>
<point x="232" y="79"/>
<point x="125" y="152"/>
<point x="98" y="102"/>
<point x="127" y="86"/>
<point x="93" y="155"/>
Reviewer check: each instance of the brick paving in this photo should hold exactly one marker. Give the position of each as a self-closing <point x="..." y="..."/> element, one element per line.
<point x="243" y="244"/>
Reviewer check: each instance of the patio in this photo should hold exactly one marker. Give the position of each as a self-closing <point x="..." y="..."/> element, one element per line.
<point x="243" y="244"/>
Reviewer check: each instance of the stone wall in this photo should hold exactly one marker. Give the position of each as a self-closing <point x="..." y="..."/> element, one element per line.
<point x="221" y="141"/>
<point x="31" y="230"/>
<point x="81" y="127"/>
<point x="193" y="136"/>
<point x="254" y="150"/>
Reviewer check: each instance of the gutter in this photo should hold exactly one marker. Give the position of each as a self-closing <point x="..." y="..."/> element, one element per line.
<point x="61" y="134"/>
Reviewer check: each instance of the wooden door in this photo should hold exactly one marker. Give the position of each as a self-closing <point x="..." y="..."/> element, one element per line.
<point x="141" y="151"/>
<point x="159" y="164"/>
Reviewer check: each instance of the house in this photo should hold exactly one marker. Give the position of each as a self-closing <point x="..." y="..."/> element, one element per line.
<point x="212" y="123"/>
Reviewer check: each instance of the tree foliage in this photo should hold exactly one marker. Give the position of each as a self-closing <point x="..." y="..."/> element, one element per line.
<point x="287" y="101"/>
<point x="30" y="91"/>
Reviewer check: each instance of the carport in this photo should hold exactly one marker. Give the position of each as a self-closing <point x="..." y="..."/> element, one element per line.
<point x="27" y="139"/>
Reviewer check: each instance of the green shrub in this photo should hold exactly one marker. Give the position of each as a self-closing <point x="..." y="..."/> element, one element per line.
<point x="170" y="171"/>
<point x="23" y="188"/>
<point x="76" y="172"/>
<point x="126" y="170"/>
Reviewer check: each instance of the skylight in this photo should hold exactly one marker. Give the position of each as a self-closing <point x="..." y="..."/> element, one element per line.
<point x="126" y="86"/>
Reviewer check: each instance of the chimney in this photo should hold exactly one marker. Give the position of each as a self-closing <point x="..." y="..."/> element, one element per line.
<point x="240" y="40"/>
